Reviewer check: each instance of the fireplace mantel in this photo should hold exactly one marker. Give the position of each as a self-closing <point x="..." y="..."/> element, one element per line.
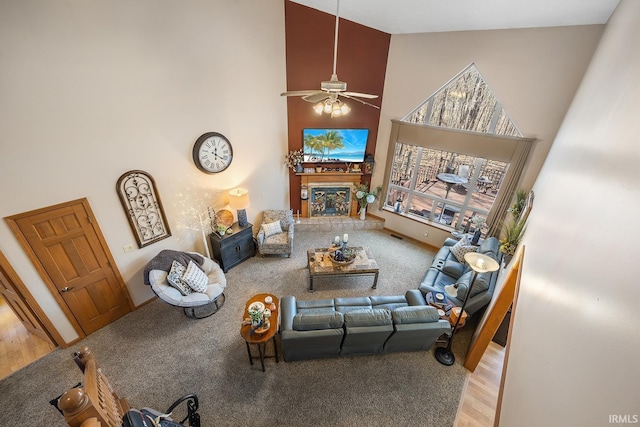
<point x="315" y="179"/>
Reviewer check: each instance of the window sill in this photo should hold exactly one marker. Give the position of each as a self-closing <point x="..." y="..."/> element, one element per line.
<point x="418" y="218"/>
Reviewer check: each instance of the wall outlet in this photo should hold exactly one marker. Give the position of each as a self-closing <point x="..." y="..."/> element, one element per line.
<point x="127" y="248"/>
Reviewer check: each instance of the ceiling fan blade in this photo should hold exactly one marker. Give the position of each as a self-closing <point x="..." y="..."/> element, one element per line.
<point x="300" y="92"/>
<point x="316" y="97"/>
<point x="360" y="95"/>
<point x="359" y="100"/>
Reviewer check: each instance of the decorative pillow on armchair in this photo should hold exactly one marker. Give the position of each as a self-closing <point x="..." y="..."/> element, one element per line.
<point x="462" y="247"/>
<point x="271" y="228"/>
<point x="175" y="278"/>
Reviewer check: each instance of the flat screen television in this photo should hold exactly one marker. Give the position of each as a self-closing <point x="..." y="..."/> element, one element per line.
<point x="334" y="145"/>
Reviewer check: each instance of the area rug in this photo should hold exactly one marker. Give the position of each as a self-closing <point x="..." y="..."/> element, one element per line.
<point x="156" y="354"/>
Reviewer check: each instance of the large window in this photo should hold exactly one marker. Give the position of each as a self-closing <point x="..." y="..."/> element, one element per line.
<point x="456" y="156"/>
<point x="442" y="186"/>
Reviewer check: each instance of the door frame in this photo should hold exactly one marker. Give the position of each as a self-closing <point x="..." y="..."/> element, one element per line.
<point x="23" y="292"/>
<point x="12" y="222"/>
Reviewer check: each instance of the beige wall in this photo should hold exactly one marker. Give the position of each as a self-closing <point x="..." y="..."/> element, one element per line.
<point x="575" y="346"/>
<point x="92" y="89"/>
<point x="533" y="72"/>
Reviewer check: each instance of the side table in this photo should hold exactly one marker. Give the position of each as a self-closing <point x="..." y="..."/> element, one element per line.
<point x="261" y="339"/>
<point x="451" y="311"/>
<point x="232" y="249"/>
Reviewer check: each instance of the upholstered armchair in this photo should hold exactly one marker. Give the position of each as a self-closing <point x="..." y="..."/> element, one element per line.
<point x="276" y="233"/>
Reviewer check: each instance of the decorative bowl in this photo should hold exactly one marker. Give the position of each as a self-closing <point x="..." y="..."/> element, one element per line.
<point x="256" y="306"/>
<point x="348" y="259"/>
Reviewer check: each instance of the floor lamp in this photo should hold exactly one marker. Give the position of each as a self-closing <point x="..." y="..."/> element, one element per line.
<point x="479" y="263"/>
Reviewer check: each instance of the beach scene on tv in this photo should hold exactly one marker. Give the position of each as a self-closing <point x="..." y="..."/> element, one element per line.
<point x="334" y="145"/>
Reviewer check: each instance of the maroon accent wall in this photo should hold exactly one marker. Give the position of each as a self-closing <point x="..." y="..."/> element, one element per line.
<point x="362" y="63"/>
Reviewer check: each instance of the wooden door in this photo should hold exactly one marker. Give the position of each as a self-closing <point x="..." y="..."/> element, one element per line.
<point x="13" y="298"/>
<point x="71" y="255"/>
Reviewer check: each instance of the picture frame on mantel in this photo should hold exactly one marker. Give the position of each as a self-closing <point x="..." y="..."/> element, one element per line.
<point x="141" y="202"/>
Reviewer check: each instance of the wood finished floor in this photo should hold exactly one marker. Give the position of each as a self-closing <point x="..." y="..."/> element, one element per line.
<point x="18" y="347"/>
<point x="477" y="407"/>
<point x="480" y="394"/>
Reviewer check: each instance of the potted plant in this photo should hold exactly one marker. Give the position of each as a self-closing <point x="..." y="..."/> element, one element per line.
<point x="518" y="204"/>
<point x="364" y="197"/>
<point x="512" y="235"/>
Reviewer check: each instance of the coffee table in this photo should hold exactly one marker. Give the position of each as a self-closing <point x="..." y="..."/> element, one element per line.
<point x="321" y="266"/>
<point x="261" y="339"/>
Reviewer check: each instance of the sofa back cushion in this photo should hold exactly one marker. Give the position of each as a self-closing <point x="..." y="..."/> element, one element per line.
<point x="490" y="246"/>
<point x="415" y="314"/>
<point x="315" y="321"/>
<point x="367" y="317"/>
<point x="482" y="284"/>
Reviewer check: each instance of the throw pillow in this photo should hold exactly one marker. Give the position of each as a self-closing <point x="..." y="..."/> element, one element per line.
<point x="462" y="247"/>
<point x="175" y="278"/>
<point x="271" y="228"/>
<point x="195" y="278"/>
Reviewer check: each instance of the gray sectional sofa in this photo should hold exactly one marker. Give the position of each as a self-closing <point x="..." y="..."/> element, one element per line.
<point x="446" y="270"/>
<point x="312" y="329"/>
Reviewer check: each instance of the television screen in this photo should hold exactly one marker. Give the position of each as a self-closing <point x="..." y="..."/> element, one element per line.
<point x="334" y="145"/>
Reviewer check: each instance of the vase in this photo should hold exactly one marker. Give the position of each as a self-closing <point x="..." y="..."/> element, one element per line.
<point x="363" y="213"/>
<point x="299" y="168"/>
<point x="476" y="237"/>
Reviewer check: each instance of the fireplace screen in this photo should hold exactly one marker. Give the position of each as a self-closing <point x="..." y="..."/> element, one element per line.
<point x="330" y="201"/>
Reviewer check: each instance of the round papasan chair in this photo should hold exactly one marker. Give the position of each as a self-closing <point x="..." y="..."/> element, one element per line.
<point x="196" y="305"/>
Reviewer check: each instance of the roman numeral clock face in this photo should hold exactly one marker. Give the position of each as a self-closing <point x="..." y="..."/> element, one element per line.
<point x="212" y="152"/>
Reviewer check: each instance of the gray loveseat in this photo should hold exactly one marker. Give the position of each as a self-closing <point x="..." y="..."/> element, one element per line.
<point x="446" y="270"/>
<point x="313" y="329"/>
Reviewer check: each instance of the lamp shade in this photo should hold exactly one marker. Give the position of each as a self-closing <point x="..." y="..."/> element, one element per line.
<point x="481" y="263"/>
<point x="239" y="198"/>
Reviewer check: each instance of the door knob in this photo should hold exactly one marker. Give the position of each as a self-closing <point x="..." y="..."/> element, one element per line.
<point x="66" y="289"/>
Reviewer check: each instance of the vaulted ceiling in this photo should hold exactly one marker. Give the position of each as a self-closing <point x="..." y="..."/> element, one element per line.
<point x="424" y="16"/>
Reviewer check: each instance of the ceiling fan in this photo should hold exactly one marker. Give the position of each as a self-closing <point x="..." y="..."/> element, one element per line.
<point x="327" y="96"/>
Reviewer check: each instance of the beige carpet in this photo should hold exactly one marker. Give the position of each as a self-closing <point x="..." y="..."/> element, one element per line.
<point x="156" y="354"/>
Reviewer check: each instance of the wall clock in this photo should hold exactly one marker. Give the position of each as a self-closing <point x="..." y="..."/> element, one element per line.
<point x="212" y="152"/>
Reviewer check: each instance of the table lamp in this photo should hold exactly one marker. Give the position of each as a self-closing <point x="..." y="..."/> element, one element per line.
<point x="479" y="263"/>
<point x="239" y="200"/>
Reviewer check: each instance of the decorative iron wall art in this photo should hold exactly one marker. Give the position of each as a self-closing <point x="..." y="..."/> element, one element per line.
<point x="137" y="191"/>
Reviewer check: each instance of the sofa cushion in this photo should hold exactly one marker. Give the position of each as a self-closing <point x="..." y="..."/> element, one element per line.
<point x="453" y="268"/>
<point x="315" y="321"/>
<point x="462" y="247"/>
<point x="314" y="303"/>
<point x="367" y="317"/>
<point x="175" y="278"/>
<point x="414" y="314"/>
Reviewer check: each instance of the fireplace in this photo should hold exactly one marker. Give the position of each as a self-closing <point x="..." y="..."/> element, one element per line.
<point x="330" y="200"/>
<point x="329" y="194"/>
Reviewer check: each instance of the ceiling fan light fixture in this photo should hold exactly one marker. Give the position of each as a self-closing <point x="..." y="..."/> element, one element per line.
<point x="336" y="111"/>
<point x="332" y="88"/>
